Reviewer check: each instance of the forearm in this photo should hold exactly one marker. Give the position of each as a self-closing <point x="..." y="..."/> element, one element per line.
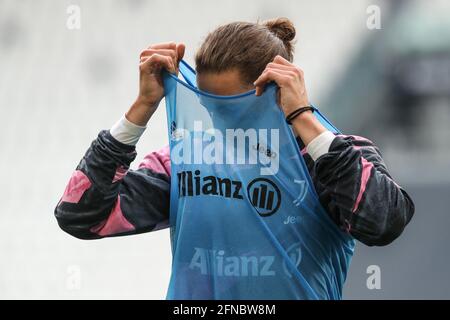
<point x="382" y="213"/>
<point x="126" y="131"/>
<point x="107" y="161"/>
<point x="140" y="112"/>
<point x="307" y="127"/>
<point x="313" y="134"/>
<point x="361" y="197"/>
<point x="92" y="192"/>
<point x="129" y="129"/>
<point x="104" y="198"/>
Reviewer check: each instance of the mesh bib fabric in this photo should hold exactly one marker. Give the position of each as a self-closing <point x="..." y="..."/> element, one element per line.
<point x="245" y="219"/>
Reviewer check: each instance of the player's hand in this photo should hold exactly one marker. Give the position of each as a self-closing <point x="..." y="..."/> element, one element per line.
<point x="151" y="89"/>
<point x="292" y="93"/>
<point x="152" y="61"/>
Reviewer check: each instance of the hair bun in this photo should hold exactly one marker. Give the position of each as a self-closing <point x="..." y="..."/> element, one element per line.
<point x="283" y="28"/>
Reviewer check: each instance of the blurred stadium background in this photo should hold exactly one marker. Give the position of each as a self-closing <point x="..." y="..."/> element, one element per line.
<point x="59" y="87"/>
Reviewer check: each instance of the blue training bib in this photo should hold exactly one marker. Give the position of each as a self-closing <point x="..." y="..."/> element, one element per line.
<point x="246" y="222"/>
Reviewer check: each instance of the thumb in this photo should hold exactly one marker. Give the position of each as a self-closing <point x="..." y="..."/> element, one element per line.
<point x="279" y="97"/>
<point x="180" y="54"/>
<point x="180" y="51"/>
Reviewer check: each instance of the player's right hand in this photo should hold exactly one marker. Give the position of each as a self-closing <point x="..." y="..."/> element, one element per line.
<point x="152" y="61"/>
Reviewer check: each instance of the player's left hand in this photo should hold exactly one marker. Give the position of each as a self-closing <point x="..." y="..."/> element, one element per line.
<point x="292" y="93"/>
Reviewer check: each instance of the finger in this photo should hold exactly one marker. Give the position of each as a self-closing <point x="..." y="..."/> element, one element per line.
<point x="279" y="97"/>
<point x="259" y="90"/>
<point x="289" y="73"/>
<point x="279" y="66"/>
<point x="163" y="52"/>
<point x="292" y="71"/>
<point x="156" y="61"/>
<point x="260" y="83"/>
<point x="181" y="48"/>
<point x="165" y="45"/>
<point x="180" y="54"/>
<point x="275" y="65"/>
<point x="281" y="60"/>
<point x="271" y="75"/>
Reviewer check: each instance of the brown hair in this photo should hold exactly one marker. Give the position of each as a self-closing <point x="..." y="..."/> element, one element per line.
<point x="246" y="46"/>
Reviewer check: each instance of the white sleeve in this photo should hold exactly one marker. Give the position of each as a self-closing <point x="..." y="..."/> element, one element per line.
<point x="320" y="144"/>
<point x="126" y="132"/>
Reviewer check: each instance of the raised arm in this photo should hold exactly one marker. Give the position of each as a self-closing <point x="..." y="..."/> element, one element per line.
<point x="104" y="197"/>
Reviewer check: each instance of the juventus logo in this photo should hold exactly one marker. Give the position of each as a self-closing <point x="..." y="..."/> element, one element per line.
<point x="264" y="196"/>
<point x="302" y="193"/>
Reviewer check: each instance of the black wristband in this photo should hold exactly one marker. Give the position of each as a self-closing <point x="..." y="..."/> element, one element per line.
<point x="294" y="114"/>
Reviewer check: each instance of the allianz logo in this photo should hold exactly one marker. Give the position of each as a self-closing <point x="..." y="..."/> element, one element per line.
<point x="218" y="263"/>
<point x="263" y="194"/>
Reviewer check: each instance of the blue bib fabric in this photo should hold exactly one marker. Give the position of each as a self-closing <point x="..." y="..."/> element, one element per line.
<point x="246" y="222"/>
